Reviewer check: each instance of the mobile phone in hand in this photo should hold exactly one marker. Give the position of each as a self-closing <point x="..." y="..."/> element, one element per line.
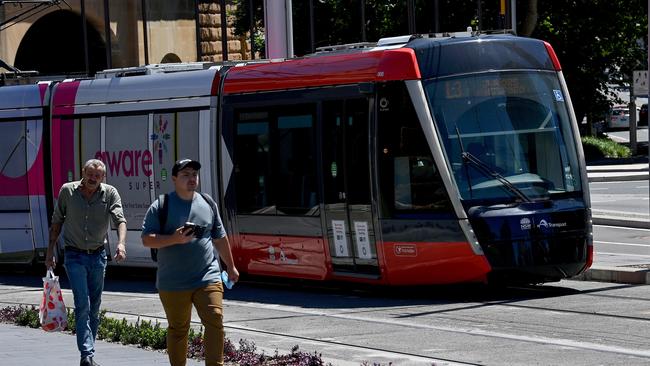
<point x="189" y="228"/>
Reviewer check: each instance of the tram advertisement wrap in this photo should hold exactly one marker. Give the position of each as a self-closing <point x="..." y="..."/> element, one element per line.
<point x="128" y="168"/>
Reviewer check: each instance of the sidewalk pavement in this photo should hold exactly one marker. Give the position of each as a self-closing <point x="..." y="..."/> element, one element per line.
<point x="22" y="346"/>
<point x="612" y="267"/>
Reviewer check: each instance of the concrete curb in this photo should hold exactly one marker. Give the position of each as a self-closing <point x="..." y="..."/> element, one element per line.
<point x="617" y="176"/>
<point x="627" y="275"/>
<point x="617" y="218"/>
<point x="624" y="222"/>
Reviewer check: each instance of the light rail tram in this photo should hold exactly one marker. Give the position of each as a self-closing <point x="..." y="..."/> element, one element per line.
<point x="417" y="160"/>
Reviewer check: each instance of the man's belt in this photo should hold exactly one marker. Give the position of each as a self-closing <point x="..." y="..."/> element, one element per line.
<point x="86" y="251"/>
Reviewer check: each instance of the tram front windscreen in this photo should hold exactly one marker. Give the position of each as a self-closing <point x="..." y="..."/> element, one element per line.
<point x="507" y="135"/>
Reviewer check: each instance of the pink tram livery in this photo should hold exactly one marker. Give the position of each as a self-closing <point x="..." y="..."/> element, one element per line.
<point x="418" y="160"/>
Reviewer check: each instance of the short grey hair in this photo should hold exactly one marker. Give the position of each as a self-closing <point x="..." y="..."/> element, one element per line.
<point x="95" y="163"/>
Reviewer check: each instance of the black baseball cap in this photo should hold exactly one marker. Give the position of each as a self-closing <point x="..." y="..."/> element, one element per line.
<point x="184" y="163"/>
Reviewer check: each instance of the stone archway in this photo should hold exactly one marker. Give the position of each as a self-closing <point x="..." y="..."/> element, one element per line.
<point x="53" y="45"/>
<point x="170" y="58"/>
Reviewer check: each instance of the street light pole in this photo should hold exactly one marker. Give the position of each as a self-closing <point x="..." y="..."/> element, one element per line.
<point x="632" y="119"/>
<point x="513" y="16"/>
<point x="410" y="11"/>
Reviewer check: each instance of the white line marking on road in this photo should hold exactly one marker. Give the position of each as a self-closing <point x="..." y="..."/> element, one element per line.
<point x="620" y="182"/>
<point x="470" y="330"/>
<point x="626" y="255"/>
<point x="332" y="341"/>
<point x="618" y="243"/>
<point x="621" y="227"/>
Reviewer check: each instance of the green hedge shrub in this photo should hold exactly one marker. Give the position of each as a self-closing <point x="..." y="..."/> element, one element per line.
<point x="599" y="148"/>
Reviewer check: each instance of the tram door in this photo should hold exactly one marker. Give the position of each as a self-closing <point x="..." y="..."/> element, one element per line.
<point x="347" y="198"/>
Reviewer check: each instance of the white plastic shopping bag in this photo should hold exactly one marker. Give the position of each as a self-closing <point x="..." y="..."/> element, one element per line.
<point x="52" y="312"/>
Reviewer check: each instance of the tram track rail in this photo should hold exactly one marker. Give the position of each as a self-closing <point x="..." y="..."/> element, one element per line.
<point x="398" y="322"/>
<point x="403" y="319"/>
<point x="474" y="331"/>
<point x="253" y="331"/>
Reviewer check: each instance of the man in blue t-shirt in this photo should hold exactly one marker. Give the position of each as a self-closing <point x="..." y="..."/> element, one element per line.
<point x="188" y="269"/>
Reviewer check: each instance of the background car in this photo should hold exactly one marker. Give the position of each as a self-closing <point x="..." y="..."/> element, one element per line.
<point x="643" y="116"/>
<point x="619" y="117"/>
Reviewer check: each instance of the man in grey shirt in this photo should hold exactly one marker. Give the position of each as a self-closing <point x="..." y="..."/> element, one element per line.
<point x="85" y="208"/>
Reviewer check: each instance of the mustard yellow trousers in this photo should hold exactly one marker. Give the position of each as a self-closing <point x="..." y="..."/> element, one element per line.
<point x="208" y="302"/>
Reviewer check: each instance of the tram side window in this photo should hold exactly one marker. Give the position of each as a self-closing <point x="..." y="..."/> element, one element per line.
<point x="13" y="165"/>
<point x="275" y="167"/>
<point x="129" y="164"/>
<point x="296" y="178"/>
<point x="252" y="167"/>
<point x="409" y="180"/>
<point x="188" y="135"/>
<point x="91" y="139"/>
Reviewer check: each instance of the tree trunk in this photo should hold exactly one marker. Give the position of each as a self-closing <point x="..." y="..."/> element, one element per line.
<point x="530" y="19"/>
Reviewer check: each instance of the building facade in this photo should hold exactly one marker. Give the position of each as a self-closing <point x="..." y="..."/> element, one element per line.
<point x="81" y="37"/>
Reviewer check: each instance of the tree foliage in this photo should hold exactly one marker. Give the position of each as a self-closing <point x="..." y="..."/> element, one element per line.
<point x="598" y="42"/>
<point x="339" y="21"/>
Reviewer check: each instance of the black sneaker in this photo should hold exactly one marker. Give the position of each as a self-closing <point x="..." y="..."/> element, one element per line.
<point x="88" y="361"/>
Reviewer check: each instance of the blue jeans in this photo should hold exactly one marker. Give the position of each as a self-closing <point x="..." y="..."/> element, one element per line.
<point x="86" y="276"/>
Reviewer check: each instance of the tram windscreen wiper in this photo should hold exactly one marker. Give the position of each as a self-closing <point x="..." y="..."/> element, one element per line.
<point x="485" y="169"/>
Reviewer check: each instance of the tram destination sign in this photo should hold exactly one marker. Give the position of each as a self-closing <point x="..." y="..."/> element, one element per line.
<point x="486" y="86"/>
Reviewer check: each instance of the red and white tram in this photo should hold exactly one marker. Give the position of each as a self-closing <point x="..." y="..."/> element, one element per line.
<point x="418" y="161"/>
